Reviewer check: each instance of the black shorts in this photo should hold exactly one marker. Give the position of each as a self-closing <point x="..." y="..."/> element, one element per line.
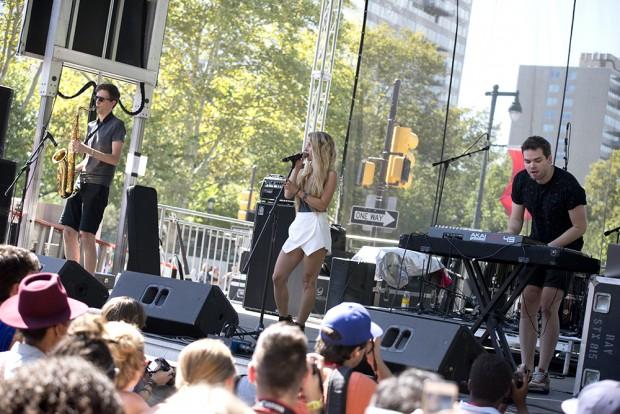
<point x="546" y="277"/>
<point x="84" y="209"/>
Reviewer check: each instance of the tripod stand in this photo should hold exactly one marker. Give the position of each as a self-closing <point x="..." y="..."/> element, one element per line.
<point x="272" y="223"/>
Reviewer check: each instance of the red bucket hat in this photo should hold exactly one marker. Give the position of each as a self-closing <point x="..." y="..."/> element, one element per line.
<point x="41" y="301"/>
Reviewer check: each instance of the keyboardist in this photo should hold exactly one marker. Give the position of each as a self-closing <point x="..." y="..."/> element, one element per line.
<point x="557" y="203"/>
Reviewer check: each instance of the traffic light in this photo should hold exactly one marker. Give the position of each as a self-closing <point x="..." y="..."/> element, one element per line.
<point x="244" y="212"/>
<point x="366" y="173"/>
<point x="400" y="160"/>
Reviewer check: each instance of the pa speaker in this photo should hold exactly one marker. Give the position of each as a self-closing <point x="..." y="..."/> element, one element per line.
<point x="431" y="344"/>
<point x="6" y="97"/>
<point x="142" y="230"/>
<point x="350" y="281"/>
<point x="78" y="282"/>
<point x="7" y="175"/>
<point x="178" y="307"/>
<point x="264" y="249"/>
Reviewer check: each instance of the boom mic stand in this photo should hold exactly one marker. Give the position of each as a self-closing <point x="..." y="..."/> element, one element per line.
<point x="25" y="169"/>
<point x="272" y="216"/>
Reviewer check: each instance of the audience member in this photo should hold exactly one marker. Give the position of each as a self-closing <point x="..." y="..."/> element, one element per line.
<point x="404" y="392"/>
<point x="15" y="264"/>
<point x="491" y="385"/>
<point x="203" y="399"/>
<point x="86" y="338"/>
<point x="60" y="385"/>
<point x="602" y="397"/>
<point x="41" y="310"/>
<point x="126" y="309"/>
<point x="348" y="336"/>
<point x="127" y="347"/>
<point x="206" y="361"/>
<point x="279" y="368"/>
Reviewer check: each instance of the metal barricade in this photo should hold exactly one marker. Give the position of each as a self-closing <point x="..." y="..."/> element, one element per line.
<point x="211" y="244"/>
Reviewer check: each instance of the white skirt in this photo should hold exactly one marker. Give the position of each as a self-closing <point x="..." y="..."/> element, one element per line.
<point x="309" y="231"/>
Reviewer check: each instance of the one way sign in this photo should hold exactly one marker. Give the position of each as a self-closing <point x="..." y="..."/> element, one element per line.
<point x="377" y="217"/>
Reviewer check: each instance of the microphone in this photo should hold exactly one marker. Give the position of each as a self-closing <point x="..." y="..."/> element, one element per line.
<point x="295" y="157"/>
<point x="51" y="138"/>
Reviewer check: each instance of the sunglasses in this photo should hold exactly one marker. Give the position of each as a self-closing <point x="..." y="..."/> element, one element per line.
<point x="102" y="98"/>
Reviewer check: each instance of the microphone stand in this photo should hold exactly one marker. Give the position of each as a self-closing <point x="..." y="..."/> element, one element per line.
<point x="271" y="216"/>
<point x="443" y="165"/>
<point x="25" y="169"/>
<point x="611" y="231"/>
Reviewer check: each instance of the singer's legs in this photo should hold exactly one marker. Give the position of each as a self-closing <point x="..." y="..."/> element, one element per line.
<point x="282" y="270"/>
<point x="90" y="250"/>
<point x="71" y="243"/>
<point x="528" y="324"/>
<point x="312" y="267"/>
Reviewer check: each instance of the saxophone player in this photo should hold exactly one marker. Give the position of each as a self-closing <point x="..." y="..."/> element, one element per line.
<point x="102" y="147"/>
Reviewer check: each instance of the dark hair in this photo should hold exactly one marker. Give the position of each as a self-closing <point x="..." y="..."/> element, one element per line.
<point x="34" y="335"/>
<point x="403" y="393"/>
<point x="280" y="358"/>
<point x="59" y="385"/>
<point x="111" y="89"/>
<point x="126" y="309"/>
<point x="490" y="379"/>
<point x="535" y="142"/>
<point x="336" y="354"/>
<point x="15" y="264"/>
<point x="85" y="339"/>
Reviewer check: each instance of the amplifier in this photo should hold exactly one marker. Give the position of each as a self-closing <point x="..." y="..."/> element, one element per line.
<point x="599" y="357"/>
<point x="270" y="187"/>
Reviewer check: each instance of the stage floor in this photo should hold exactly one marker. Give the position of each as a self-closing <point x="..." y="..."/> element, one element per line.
<point x="169" y="348"/>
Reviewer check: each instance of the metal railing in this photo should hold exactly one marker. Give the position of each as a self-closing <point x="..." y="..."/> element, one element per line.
<point x="209" y="243"/>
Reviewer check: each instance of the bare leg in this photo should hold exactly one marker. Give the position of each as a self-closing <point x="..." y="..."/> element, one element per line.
<point x="528" y="324"/>
<point x="282" y="270"/>
<point x="550" y="330"/>
<point x="71" y="243"/>
<point x="90" y="251"/>
<point x="312" y="267"/>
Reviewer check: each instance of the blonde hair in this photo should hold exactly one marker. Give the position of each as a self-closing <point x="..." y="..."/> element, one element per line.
<point x="127" y="348"/>
<point x="313" y="176"/>
<point x="124" y="308"/>
<point x="204" y="399"/>
<point x="205" y="360"/>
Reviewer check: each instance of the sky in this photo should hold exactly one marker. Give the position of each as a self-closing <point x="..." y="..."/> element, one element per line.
<point x="506" y="33"/>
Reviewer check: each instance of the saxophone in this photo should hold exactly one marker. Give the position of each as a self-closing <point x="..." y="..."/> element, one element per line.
<point x="65" y="160"/>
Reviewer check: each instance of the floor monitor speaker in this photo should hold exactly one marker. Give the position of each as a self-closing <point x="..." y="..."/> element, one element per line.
<point x="429" y="343"/>
<point x="78" y="282"/>
<point x="178" y="307"/>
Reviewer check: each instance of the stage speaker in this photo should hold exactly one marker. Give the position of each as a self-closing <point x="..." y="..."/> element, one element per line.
<point x="6" y="97"/>
<point x="257" y="269"/>
<point x="7" y="175"/>
<point x="78" y="282"/>
<point x="433" y="344"/>
<point x="178" y="307"/>
<point x="142" y="230"/>
<point x="350" y="281"/>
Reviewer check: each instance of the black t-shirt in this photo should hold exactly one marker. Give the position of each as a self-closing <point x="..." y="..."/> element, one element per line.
<point x="549" y="204"/>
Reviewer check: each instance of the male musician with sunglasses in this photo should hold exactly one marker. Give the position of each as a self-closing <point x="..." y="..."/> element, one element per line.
<point x="102" y="148"/>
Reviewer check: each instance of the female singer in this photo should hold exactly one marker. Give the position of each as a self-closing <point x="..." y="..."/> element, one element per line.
<point x="312" y="185"/>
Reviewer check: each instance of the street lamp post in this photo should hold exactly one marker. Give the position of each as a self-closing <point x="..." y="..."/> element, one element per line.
<point x="515" y="112"/>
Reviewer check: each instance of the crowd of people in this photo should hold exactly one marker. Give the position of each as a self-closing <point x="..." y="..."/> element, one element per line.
<point x="60" y="357"/>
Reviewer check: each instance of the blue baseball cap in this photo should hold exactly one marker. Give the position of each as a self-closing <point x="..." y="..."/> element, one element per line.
<point x="352" y="323"/>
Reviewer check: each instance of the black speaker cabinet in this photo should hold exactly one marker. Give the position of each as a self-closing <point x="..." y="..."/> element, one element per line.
<point x="6" y="97"/>
<point x="78" y="282"/>
<point x="257" y="269"/>
<point x="350" y="281"/>
<point x="142" y="230"/>
<point x="178" y="307"/>
<point x="432" y="344"/>
<point x="7" y="175"/>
